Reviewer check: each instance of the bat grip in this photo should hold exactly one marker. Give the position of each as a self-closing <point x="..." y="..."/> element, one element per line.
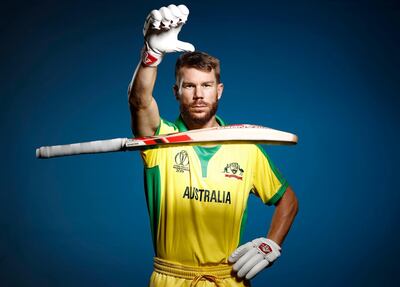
<point x="101" y="146"/>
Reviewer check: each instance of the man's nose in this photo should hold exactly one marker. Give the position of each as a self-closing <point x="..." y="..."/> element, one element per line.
<point x="198" y="93"/>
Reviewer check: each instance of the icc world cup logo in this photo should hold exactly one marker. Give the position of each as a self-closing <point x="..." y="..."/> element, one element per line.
<point x="181" y="161"/>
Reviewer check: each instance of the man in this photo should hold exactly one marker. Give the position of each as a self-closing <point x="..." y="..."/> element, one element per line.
<point x="197" y="195"/>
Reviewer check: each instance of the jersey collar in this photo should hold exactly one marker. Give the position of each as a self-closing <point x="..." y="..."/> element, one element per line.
<point x="183" y="128"/>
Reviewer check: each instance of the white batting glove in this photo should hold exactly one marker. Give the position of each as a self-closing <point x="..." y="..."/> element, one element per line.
<point x="161" y="31"/>
<point x="254" y="256"/>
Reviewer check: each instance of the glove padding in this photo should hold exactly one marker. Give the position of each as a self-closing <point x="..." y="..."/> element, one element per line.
<point x="161" y="30"/>
<point x="254" y="256"/>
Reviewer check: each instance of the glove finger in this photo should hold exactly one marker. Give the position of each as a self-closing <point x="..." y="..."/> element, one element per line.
<point x="166" y="17"/>
<point x="256" y="269"/>
<point x="239" y="252"/>
<point x="185" y="13"/>
<point x="242" y="261"/>
<point x="184" y="46"/>
<point x="253" y="261"/>
<point x="153" y="21"/>
<point x="176" y="15"/>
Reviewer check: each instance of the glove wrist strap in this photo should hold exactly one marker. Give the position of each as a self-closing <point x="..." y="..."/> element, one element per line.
<point x="151" y="58"/>
<point x="274" y="244"/>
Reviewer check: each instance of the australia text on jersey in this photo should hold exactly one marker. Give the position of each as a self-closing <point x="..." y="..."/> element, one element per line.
<point x="206" y="195"/>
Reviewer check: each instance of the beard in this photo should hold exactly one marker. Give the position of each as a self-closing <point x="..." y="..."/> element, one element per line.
<point x="195" y="118"/>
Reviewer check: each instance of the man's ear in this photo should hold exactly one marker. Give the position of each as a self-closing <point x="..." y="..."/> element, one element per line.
<point x="220" y="89"/>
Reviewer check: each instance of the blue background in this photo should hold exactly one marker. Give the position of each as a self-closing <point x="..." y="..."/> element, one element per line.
<point x="326" y="70"/>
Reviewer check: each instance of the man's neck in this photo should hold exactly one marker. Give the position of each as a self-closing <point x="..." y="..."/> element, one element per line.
<point x="194" y="126"/>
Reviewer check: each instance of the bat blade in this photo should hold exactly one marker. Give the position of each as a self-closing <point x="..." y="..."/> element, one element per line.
<point x="231" y="134"/>
<point x="225" y="134"/>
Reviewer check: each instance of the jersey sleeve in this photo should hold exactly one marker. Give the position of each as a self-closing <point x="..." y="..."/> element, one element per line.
<point x="151" y="156"/>
<point x="268" y="183"/>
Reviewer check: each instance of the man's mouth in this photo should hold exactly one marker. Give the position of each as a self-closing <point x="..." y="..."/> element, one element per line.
<point x="199" y="105"/>
<point x="198" y="108"/>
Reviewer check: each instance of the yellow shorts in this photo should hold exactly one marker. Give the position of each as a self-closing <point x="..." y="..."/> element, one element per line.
<point x="171" y="274"/>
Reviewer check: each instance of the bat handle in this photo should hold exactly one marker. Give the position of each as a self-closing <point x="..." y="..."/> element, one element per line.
<point x="112" y="145"/>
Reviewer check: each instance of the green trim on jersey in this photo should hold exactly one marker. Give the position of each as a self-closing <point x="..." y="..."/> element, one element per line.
<point x="180" y="124"/>
<point x="158" y="128"/>
<point x="278" y="194"/>
<point x="205" y="154"/>
<point x="278" y="175"/>
<point x="242" y="225"/>
<point x="165" y="122"/>
<point x="152" y="187"/>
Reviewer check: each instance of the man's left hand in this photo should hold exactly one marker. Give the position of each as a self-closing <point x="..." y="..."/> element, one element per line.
<point x="254" y="256"/>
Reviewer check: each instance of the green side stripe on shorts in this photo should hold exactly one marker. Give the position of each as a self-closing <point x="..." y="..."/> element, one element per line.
<point x="152" y="187"/>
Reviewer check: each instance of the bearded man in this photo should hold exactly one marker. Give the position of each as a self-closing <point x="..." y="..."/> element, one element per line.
<point x="197" y="195"/>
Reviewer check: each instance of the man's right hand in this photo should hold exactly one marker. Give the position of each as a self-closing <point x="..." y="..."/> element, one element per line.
<point x="161" y="31"/>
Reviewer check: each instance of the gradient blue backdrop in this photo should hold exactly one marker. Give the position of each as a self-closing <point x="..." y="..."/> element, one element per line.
<point x="326" y="70"/>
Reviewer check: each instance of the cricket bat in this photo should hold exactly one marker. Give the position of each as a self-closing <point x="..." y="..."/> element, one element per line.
<point x="230" y="134"/>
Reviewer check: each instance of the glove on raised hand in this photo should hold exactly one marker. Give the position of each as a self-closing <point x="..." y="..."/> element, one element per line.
<point x="161" y="30"/>
<point x="254" y="256"/>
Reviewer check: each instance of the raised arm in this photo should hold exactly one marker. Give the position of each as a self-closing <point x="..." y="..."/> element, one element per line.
<point x="145" y="117"/>
<point x="160" y="31"/>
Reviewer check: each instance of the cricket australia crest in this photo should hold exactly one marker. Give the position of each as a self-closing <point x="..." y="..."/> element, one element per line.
<point x="233" y="170"/>
<point x="181" y="161"/>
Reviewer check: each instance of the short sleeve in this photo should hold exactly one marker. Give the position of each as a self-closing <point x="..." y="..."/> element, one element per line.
<point x="268" y="183"/>
<point x="166" y="127"/>
<point x="151" y="156"/>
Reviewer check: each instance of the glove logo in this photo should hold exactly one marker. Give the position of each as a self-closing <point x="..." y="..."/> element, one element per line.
<point x="148" y="59"/>
<point x="265" y="248"/>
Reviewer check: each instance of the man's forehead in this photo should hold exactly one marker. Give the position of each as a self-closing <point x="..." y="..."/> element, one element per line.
<point x="190" y="74"/>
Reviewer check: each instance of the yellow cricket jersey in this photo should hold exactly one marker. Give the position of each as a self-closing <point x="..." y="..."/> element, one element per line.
<point x="197" y="196"/>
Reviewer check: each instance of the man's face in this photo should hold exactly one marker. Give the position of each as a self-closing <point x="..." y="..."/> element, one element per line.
<point x="198" y="93"/>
